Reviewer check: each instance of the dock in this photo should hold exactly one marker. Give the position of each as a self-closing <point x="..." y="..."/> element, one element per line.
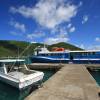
<point x="45" y="66"/>
<point x="71" y="82"/>
<point x="93" y="66"/>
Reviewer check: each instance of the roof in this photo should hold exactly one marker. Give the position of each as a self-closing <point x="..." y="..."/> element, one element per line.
<point x="86" y="51"/>
<point x="12" y="60"/>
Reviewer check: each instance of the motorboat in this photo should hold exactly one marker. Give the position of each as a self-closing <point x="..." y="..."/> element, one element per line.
<point x="16" y="73"/>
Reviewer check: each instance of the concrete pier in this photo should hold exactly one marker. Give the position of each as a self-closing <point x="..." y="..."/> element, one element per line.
<point x="71" y="82"/>
<point x="93" y="66"/>
<point x="45" y="66"/>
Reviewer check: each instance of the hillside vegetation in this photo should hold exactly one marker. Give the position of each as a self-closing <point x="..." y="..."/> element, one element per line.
<point x="13" y="48"/>
<point x="64" y="45"/>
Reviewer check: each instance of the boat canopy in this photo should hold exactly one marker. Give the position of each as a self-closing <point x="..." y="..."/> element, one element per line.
<point x="58" y="49"/>
<point x="11" y="60"/>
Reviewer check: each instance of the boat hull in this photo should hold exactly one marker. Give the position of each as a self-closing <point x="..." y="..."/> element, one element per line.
<point x="47" y="60"/>
<point x="36" y="59"/>
<point x="18" y="84"/>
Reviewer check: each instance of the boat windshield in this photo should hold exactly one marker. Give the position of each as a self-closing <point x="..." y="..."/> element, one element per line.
<point x="18" y="63"/>
<point x="0" y="64"/>
<point x="14" y="66"/>
<point x="13" y="63"/>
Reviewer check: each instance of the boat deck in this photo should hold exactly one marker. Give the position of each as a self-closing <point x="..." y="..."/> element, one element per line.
<point x="17" y="75"/>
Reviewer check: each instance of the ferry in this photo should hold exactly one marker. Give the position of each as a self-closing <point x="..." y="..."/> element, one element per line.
<point x="60" y="55"/>
<point x="16" y="73"/>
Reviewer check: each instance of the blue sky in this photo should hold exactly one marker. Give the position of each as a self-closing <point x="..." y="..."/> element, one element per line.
<point x="51" y="21"/>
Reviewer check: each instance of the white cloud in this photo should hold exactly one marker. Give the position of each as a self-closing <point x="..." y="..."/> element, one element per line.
<point x="62" y="36"/>
<point x="52" y="40"/>
<point x="35" y="35"/>
<point x="18" y="26"/>
<point x="13" y="9"/>
<point x="85" y="19"/>
<point x="69" y="25"/>
<point x="97" y="47"/>
<point x="81" y="3"/>
<point x="97" y="39"/>
<point x="49" y="13"/>
<point x="82" y="46"/>
<point x="33" y="42"/>
<point x="63" y="31"/>
<point x="71" y="29"/>
<point x="30" y="36"/>
<point x="13" y="33"/>
<point x="94" y="47"/>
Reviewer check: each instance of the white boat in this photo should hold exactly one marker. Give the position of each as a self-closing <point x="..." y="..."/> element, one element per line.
<point x="16" y="73"/>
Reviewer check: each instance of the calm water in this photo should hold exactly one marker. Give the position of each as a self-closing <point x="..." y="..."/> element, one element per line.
<point x="8" y="92"/>
<point x="96" y="76"/>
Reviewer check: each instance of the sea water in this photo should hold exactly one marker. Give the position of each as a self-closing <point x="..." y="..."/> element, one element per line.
<point x="8" y="92"/>
<point x="96" y="75"/>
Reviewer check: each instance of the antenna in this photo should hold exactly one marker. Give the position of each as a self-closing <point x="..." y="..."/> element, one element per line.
<point x="18" y="52"/>
<point x="20" y="55"/>
<point x="44" y="45"/>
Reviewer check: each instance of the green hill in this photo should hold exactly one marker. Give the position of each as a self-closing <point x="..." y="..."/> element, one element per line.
<point x="11" y="48"/>
<point x="64" y="45"/>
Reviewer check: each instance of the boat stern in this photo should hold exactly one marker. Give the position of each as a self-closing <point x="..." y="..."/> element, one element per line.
<point x="31" y="80"/>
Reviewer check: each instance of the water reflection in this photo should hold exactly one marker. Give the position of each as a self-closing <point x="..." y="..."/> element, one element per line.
<point x="8" y="92"/>
<point x="96" y="75"/>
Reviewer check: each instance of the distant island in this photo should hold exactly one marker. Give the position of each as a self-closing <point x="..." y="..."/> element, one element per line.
<point x="11" y="47"/>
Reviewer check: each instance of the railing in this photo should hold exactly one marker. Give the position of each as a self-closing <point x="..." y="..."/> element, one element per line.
<point x="27" y="60"/>
<point x="16" y="57"/>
